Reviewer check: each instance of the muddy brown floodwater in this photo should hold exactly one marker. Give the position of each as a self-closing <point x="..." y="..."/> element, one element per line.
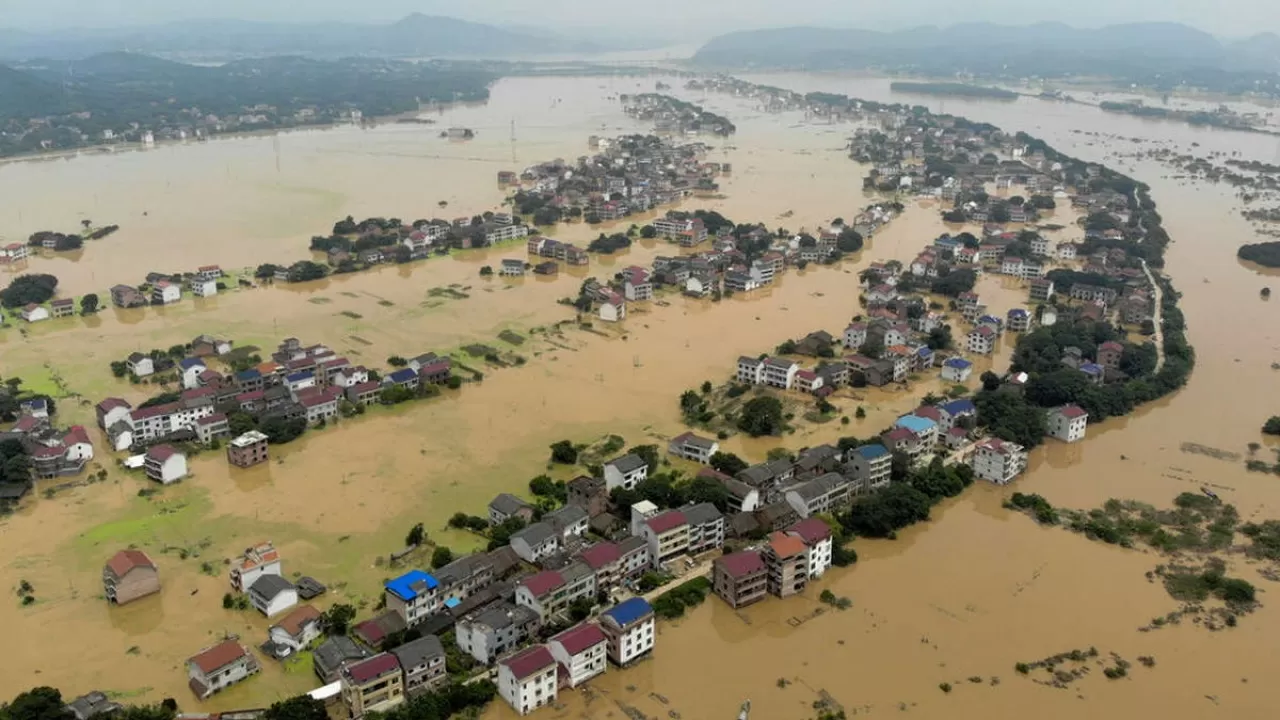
<point x="968" y="594"/>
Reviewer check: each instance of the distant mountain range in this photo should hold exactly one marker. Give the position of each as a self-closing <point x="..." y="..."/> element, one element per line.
<point x="1045" y="49"/>
<point x="411" y="37"/>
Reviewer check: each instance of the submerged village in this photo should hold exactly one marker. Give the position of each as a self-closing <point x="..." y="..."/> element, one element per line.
<point x="577" y="574"/>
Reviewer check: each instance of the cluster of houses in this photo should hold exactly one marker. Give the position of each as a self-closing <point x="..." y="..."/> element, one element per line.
<point x="299" y="382"/>
<point x="418" y="241"/>
<point x="54" y="452"/>
<point x="670" y="115"/>
<point x="31" y="312"/>
<point x="162" y="289"/>
<point x="628" y="174"/>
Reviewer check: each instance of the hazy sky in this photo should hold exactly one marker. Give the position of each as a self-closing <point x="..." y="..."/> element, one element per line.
<point x="701" y="18"/>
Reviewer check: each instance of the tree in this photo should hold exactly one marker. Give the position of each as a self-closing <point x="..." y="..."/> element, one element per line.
<point x="500" y="534"/>
<point x="241" y="423"/>
<point x="338" y="618"/>
<point x="89" y="304"/>
<point x="417" y="534"/>
<point x="564" y="452"/>
<point x="440" y="557"/>
<point x="728" y="463"/>
<point x="707" y="490"/>
<point x="266" y="271"/>
<point x="1272" y="425"/>
<point x="648" y="232"/>
<point x="849" y="241"/>
<point x="302" y="707"/>
<point x="397" y="361"/>
<point x="761" y="416"/>
<point x="887" y="511"/>
<point x="486" y="270"/>
<point x="580" y="609"/>
<point x="955" y="282"/>
<point x="27" y="289"/>
<point x="280" y="431"/>
<point x="940" y="338"/>
<point x="990" y="381"/>
<point x="648" y="453"/>
<point x="706" y="387"/>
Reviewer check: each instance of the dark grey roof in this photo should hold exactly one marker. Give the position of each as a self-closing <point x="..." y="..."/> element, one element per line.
<point x="757" y="475"/>
<point x="701" y="514"/>
<point x="780" y="363"/>
<point x="504" y="560"/>
<point x="333" y="652"/>
<point x="586" y="485"/>
<point x="92" y="704"/>
<point x="627" y="463"/>
<point x="508" y="504"/>
<point x="461" y="569"/>
<point x="504" y="614"/>
<point x="565" y="517"/>
<point x="575" y="571"/>
<point x="743" y="524"/>
<point x="631" y="544"/>
<point x="819" y="486"/>
<point x="536" y="534"/>
<point x="419" y="652"/>
<point x="737" y="488"/>
<point x="269" y="586"/>
<point x="699" y="442"/>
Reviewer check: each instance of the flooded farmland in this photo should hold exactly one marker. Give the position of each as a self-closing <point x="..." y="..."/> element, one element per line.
<point x="969" y="594"/>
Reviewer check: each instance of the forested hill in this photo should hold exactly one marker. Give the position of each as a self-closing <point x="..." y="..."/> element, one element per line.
<point x="415" y="36"/>
<point x="1044" y="49"/>
<point x="123" y="95"/>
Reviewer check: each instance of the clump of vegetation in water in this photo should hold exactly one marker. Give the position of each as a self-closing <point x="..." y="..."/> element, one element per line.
<point x="672" y="603"/>
<point x="1064" y="668"/>
<point x="840" y="603"/>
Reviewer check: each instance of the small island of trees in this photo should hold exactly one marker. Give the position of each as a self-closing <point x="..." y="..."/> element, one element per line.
<point x="1266" y="254"/>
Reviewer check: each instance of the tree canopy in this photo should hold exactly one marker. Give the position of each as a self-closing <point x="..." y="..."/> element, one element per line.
<point x="761" y="416"/>
<point x="27" y="289"/>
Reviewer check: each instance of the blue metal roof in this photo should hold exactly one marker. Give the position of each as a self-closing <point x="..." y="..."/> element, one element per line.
<point x="1091" y="368"/>
<point x="298" y="376"/>
<point x="959" y="407"/>
<point x="629" y="611"/>
<point x="958" y="363"/>
<point x="188" y="363"/>
<point x="403" y="375"/>
<point x="1017" y="312"/>
<point x="916" y="424"/>
<point x="925" y="351"/>
<point x="409" y="585"/>
<point x="988" y="319"/>
<point x="452" y="603"/>
<point x="250" y="374"/>
<point x="871" y="452"/>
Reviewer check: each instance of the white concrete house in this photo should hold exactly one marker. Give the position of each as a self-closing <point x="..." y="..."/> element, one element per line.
<point x="581" y="651"/>
<point x="165" y="464"/>
<point x="629" y="627"/>
<point x="272" y="595"/>
<point x="1067" y="423"/>
<point x="998" y="461"/>
<point x="527" y="680"/>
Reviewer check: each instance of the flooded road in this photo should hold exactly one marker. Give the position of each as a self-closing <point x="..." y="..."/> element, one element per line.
<point x="969" y="594"/>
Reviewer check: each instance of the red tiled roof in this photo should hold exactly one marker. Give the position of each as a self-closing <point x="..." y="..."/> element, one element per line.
<point x="197" y="393"/>
<point x="811" y="530"/>
<point x="251" y="395"/>
<point x="901" y="434"/>
<point x="957" y="431"/>
<point x="1111" y="345"/>
<point x="375" y="667"/>
<point x="160" y="453"/>
<point x="212" y="419"/>
<point x="666" y="521"/>
<point x="294" y="621"/>
<point x="597" y="556"/>
<point x="535" y="659"/>
<point x="155" y="411"/>
<point x="928" y="411"/>
<point x="126" y="560"/>
<point x="741" y="563"/>
<point x="786" y="546"/>
<point x="75" y="436"/>
<point x="1073" y="411"/>
<point x="579" y="639"/>
<point x="111" y="404"/>
<point x="365" y="387"/>
<point x="219" y="656"/>
<point x="714" y="474"/>
<point x="543" y="583"/>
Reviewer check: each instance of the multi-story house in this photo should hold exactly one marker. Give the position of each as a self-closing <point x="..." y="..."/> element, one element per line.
<point x="413" y="596"/>
<point x="505" y="506"/>
<point x="780" y="373"/>
<point x="581" y="652"/>
<point x="373" y="685"/>
<point x="1067" y="423"/>
<point x="625" y="472"/>
<point x="637" y="286"/>
<point x="219" y="667"/>
<point x="925" y="428"/>
<point x="261" y="559"/>
<point x="855" y="336"/>
<point x="527" y="680"/>
<point x="740" y="578"/>
<point x="667" y="535"/>
<point x="870" y="466"/>
<point x="1041" y="290"/>
<point x="786" y="557"/>
<point x="128" y="576"/>
<point x="706" y="527"/>
<point x="998" y="461"/>
<point x="1018" y="320"/>
<point x="820" y="495"/>
<point x="569" y="521"/>
<point x="495" y="630"/>
<point x="693" y="447"/>
<point x="536" y="542"/>
<point x="422" y="662"/>
<point x="816" y="536"/>
<point x="551" y="592"/>
<point x="629" y="628"/>
<point x="982" y="340"/>
<point x="750" y="370"/>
